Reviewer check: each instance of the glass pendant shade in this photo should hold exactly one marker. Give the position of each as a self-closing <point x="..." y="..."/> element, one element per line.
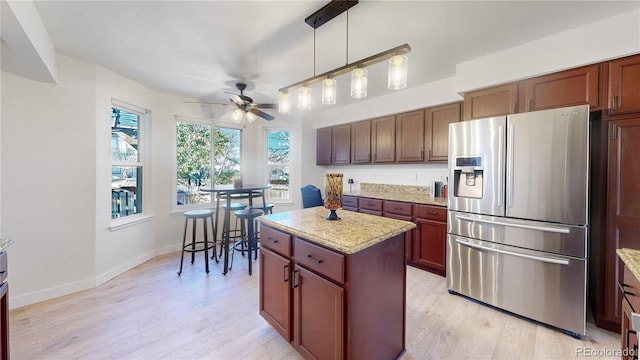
<point x="329" y="91"/>
<point x="398" y="66"/>
<point x="359" y="83"/>
<point x="237" y="114"/>
<point x="304" y="98"/>
<point x="251" y="118"/>
<point x="284" y="105"/>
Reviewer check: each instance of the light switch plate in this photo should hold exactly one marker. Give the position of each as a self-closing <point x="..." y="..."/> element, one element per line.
<point x="635" y="321"/>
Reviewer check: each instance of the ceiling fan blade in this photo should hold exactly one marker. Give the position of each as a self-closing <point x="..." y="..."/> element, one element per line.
<point x="262" y="114"/>
<point x="206" y="103"/>
<point x="265" y="106"/>
<point x="240" y="98"/>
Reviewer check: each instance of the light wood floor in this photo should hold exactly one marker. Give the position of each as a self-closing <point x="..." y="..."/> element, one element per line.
<point x="150" y="313"/>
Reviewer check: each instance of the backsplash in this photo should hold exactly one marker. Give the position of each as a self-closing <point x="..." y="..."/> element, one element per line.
<point x="403" y="189"/>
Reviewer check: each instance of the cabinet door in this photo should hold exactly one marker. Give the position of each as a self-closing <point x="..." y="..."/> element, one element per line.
<point x="275" y="291"/>
<point x="629" y="338"/>
<point x="408" y="236"/>
<point x="319" y="316"/>
<point x="410" y="136"/>
<point x="566" y="88"/>
<point x="623" y="208"/>
<point x="341" y="143"/>
<point x="361" y="142"/>
<point x="493" y="101"/>
<point x="624" y="86"/>
<point x="429" y="245"/>
<point x="383" y="139"/>
<point x="437" y="130"/>
<point x="323" y="146"/>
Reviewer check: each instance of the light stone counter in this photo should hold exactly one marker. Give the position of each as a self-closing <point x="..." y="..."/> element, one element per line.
<point x="631" y="258"/>
<point x="352" y="233"/>
<point x="424" y="199"/>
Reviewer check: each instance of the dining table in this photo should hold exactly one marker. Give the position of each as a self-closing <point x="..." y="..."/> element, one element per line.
<point x="232" y="192"/>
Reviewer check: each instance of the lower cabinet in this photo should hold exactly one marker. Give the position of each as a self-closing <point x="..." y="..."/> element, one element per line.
<point x="431" y="234"/>
<point x="629" y="287"/>
<point x="331" y="305"/>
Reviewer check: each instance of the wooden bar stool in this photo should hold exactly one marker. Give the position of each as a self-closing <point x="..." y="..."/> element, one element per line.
<point x="249" y="243"/>
<point x="197" y="246"/>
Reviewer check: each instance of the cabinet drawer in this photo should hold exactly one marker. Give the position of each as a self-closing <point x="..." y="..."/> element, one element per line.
<point x="631" y="288"/>
<point x="275" y="240"/>
<point x="436" y="213"/>
<point x="398" y="207"/>
<point x="320" y="260"/>
<point x="370" y="204"/>
<point x="350" y="201"/>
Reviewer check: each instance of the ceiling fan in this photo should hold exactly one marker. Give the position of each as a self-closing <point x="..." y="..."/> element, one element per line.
<point x="245" y="106"/>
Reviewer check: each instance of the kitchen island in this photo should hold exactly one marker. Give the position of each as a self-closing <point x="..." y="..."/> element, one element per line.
<point x="335" y="289"/>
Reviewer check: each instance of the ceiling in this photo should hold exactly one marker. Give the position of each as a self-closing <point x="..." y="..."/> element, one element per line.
<point x="199" y="49"/>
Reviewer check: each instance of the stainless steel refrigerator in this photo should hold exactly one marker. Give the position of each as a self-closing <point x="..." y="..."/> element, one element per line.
<point x="518" y="214"/>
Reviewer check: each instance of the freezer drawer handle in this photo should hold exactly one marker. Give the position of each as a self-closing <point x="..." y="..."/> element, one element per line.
<point x="532" y="257"/>
<point x="532" y="227"/>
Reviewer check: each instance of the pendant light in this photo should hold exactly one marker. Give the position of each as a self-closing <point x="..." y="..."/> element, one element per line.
<point x="397" y="77"/>
<point x="359" y="83"/>
<point x="329" y="91"/>
<point x="304" y="98"/>
<point x="284" y="105"/>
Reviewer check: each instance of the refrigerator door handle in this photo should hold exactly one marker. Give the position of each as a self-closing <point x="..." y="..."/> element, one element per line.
<point x="510" y="167"/>
<point x="560" y="230"/>
<point x="506" y="252"/>
<point x="500" y="166"/>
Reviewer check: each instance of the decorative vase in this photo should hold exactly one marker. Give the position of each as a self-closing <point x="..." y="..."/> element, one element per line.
<point x="333" y="194"/>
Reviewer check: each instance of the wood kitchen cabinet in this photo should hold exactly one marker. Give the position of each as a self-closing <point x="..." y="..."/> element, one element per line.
<point x="401" y="211"/>
<point x="350" y="203"/>
<point x="361" y="142"/>
<point x="410" y="136"/>
<point x="493" y="101"/>
<point x="430" y="240"/>
<point x="383" y="139"/>
<point x="323" y="146"/>
<point x="623" y="87"/>
<point x="579" y="86"/>
<point x="437" y="120"/>
<point x="630" y="303"/>
<point x="331" y="305"/>
<point x="622" y="217"/>
<point x="370" y="206"/>
<point x="341" y="144"/>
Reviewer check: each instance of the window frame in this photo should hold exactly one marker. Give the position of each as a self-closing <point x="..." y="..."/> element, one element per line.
<point x="265" y="161"/>
<point x="144" y="119"/>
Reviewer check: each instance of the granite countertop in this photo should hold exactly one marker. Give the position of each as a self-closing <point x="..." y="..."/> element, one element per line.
<point x="424" y="199"/>
<point x="352" y="233"/>
<point x="631" y="258"/>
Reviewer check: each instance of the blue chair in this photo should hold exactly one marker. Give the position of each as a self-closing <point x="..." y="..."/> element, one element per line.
<point x="311" y="196"/>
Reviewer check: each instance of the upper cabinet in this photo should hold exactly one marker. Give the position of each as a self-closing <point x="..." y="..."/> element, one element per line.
<point x="410" y="136"/>
<point x="437" y="120"/>
<point x="493" y="101"/>
<point x="361" y="142"/>
<point x="623" y="90"/>
<point x="323" y="146"/>
<point x="578" y="86"/>
<point x="340" y="143"/>
<point x="383" y="139"/>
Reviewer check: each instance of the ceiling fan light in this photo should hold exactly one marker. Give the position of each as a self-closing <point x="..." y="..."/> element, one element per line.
<point x="284" y="105"/>
<point x="237" y="114"/>
<point x="398" y="66"/>
<point x="359" y="83"/>
<point x="304" y="98"/>
<point x="251" y="117"/>
<point x="329" y="91"/>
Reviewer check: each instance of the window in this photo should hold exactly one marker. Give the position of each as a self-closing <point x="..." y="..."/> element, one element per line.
<point x="193" y="161"/>
<point x="205" y="155"/>
<point x="277" y="141"/>
<point x="126" y="162"/>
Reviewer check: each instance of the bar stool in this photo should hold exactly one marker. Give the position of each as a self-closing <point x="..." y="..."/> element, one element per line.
<point x="197" y="246"/>
<point x="251" y="238"/>
<point x="232" y="235"/>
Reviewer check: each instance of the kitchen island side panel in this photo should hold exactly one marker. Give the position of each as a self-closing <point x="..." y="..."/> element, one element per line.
<point x="376" y="290"/>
